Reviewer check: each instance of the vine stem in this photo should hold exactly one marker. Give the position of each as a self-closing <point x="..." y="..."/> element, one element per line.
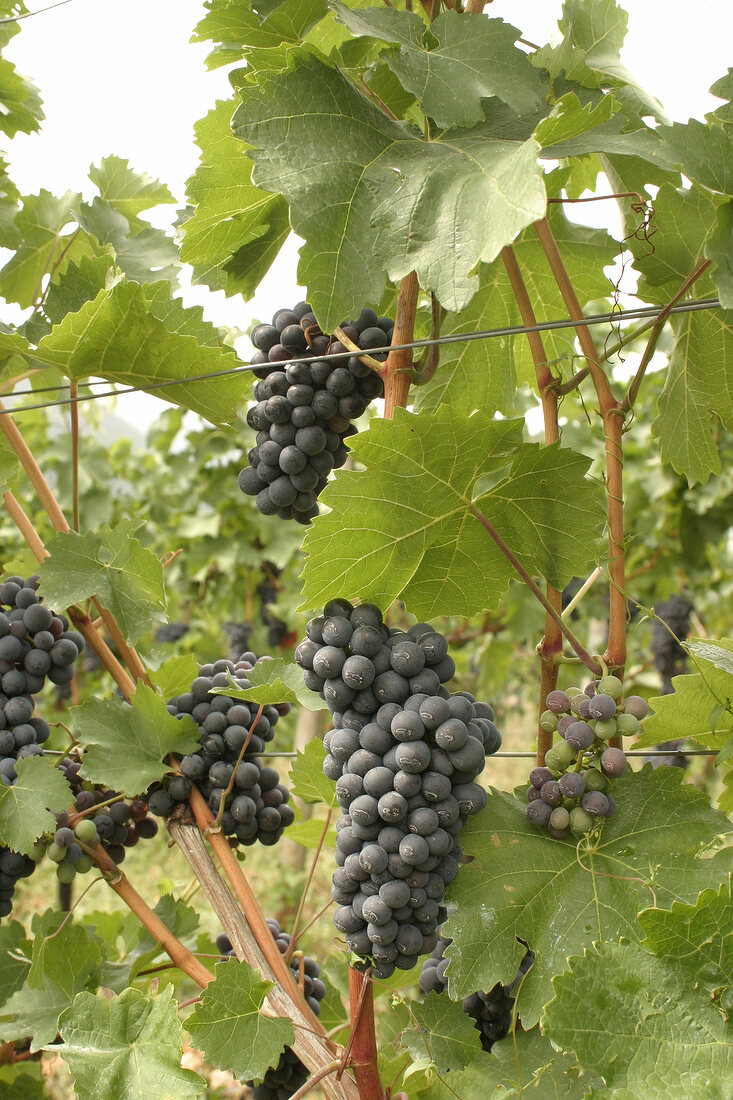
<point x="80" y="619"/>
<point x="361" y="1051"/>
<point x="550" y="648"/>
<point x="581" y="651"/>
<point x="315" y="1080"/>
<point x="306" y="888"/>
<point x="74" y="413"/>
<point x="59" y="522"/>
<point x="613" y="422"/>
<point x="173" y="947"/>
<point x="311" y="1043"/>
<point x="397" y="371"/>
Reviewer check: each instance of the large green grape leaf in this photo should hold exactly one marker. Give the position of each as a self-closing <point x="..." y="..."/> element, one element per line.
<point x="34" y="1009"/>
<point x="126" y="1047"/>
<point x="79" y="283"/>
<point x="235" y="230"/>
<point x="21" y="104"/>
<point x="628" y="1016"/>
<point x="125" y="743"/>
<point x="700" y="707"/>
<point x="61" y="951"/>
<point x="454" y="63"/>
<point x="144" y="254"/>
<point x="128" y="191"/>
<point x="237" y="28"/>
<point x="131" y="334"/>
<point x="27" y="808"/>
<point x="14" y="952"/>
<point x="228" y="1027"/>
<point x="523" y="883"/>
<point x="484" y="374"/>
<point x="719" y="249"/>
<point x="703" y="153"/>
<point x="379" y="198"/>
<point x="723" y="89"/>
<point x="697" y="938"/>
<point x="274" y="681"/>
<point x="175" y="675"/>
<point x="43" y="245"/>
<point x="445" y="1035"/>
<point x="407" y="525"/>
<point x="110" y="564"/>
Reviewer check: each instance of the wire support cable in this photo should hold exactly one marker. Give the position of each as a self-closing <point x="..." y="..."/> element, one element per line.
<point x="638" y="313"/>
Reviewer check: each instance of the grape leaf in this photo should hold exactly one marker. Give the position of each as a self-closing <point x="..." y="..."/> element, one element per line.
<point x="124" y="744"/>
<point x="60" y="953"/>
<point x="627" y="1016"/>
<point x="235" y="231"/>
<point x="178" y="917"/>
<point x="110" y="564"/>
<point x="228" y="1027"/>
<point x="40" y="224"/>
<point x="27" y="808"/>
<point x="307" y="780"/>
<point x="407" y="527"/>
<point x="131" y="334"/>
<point x="378" y="201"/>
<point x="144" y="254"/>
<point x="13" y="969"/>
<point x="697" y="938"/>
<point x="485" y="374"/>
<point x="569" y="119"/>
<point x="309" y="833"/>
<point x="79" y="283"/>
<point x="236" y="27"/>
<point x="21" y="1087"/>
<point x="703" y="153"/>
<point x="175" y="675"/>
<point x="719" y="249"/>
<point x="471" y="55"/>
<point x="446" y="1034"/>
<point x="274" y="681"/>
<point x="716" y="654"/>
<point x="512" y="889"/>
<point x="687" y="711"/>
<point x="126" y="1047"/>
<point x="128" y="191"/>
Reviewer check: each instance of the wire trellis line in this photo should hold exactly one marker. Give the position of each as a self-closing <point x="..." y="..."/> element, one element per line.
<point x="532" y="755"/>
<point x="638" y="313"/>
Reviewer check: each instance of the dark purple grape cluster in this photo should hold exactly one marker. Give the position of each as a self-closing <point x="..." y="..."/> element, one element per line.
<point x="35" y="645"/>
<point x="304" y="410"/>
<point x="14" y="866"/>
<point x="284" y="1079"/>
<point x="491" y="1012"/>
<point x="232" y="735"/>
<point x="267" y="591"/>
<point x="573" y="789"/>
<point x="670" y="659"/>
<point x="405" y="755"/>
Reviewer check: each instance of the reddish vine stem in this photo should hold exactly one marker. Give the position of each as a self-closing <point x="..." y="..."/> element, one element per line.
<point x="550" y="647"/>
<point x="613" y="422"/>
<point x="81" y="620"/>
<point x="397" y="371"/>
<point x="173" y="947"/>
<point x="361" y="1051"/>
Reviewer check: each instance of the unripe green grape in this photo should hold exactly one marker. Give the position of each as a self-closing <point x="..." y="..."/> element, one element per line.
<point x="56" y="852"/>
<point x="606" y="729"/>
<point x="37" y="852"/>
<point x="548" y="721"/>
<point x="573" y="691"/>
<point x="596" y="781"/>
<point x="84" y="863"/>
<point x="560" y="756"/>
<point x="560" y="818"/>
<point x="66" y="872"/>
<point x="575" y="703"/>
<point x="85" y="830"/>
<point x="610" y="685"/>
<point x="580" y="821"/>
<point x="568" y="803"/>
<point x="627" y="725"/>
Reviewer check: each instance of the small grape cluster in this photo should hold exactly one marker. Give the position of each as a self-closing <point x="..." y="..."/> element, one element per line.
<point x="491" y="1011"/>
<point x="284" y="1079"/>
<point x="277" y="630"/>
<point x="14" y="866"/>
<point x="670" y="659"/>
<point x="573" y="789"/>
<point x="171" y="632"/>
<point x="226" y="768"/>
<point x="405" y="755"/>
<point x="35" y="645"/>
<point x="304" y="412"/>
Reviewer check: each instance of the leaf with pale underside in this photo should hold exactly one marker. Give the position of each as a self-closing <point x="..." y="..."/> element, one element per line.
<point x="656" y="846"/>
<point x="407" y="526"/>
<point x="700" y="707"/>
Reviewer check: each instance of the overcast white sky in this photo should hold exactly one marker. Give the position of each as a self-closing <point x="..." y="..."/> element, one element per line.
<point x="123" y="78"/>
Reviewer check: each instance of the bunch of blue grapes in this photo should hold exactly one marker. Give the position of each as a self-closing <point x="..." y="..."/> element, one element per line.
<point x="490" y="1011"/>
<point x="404" y="754"/>
<point x="251" y="801"/>
<point x="304" y="410"/>
<point x="284" y="1079"/>
<point x="572" y="791"/>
